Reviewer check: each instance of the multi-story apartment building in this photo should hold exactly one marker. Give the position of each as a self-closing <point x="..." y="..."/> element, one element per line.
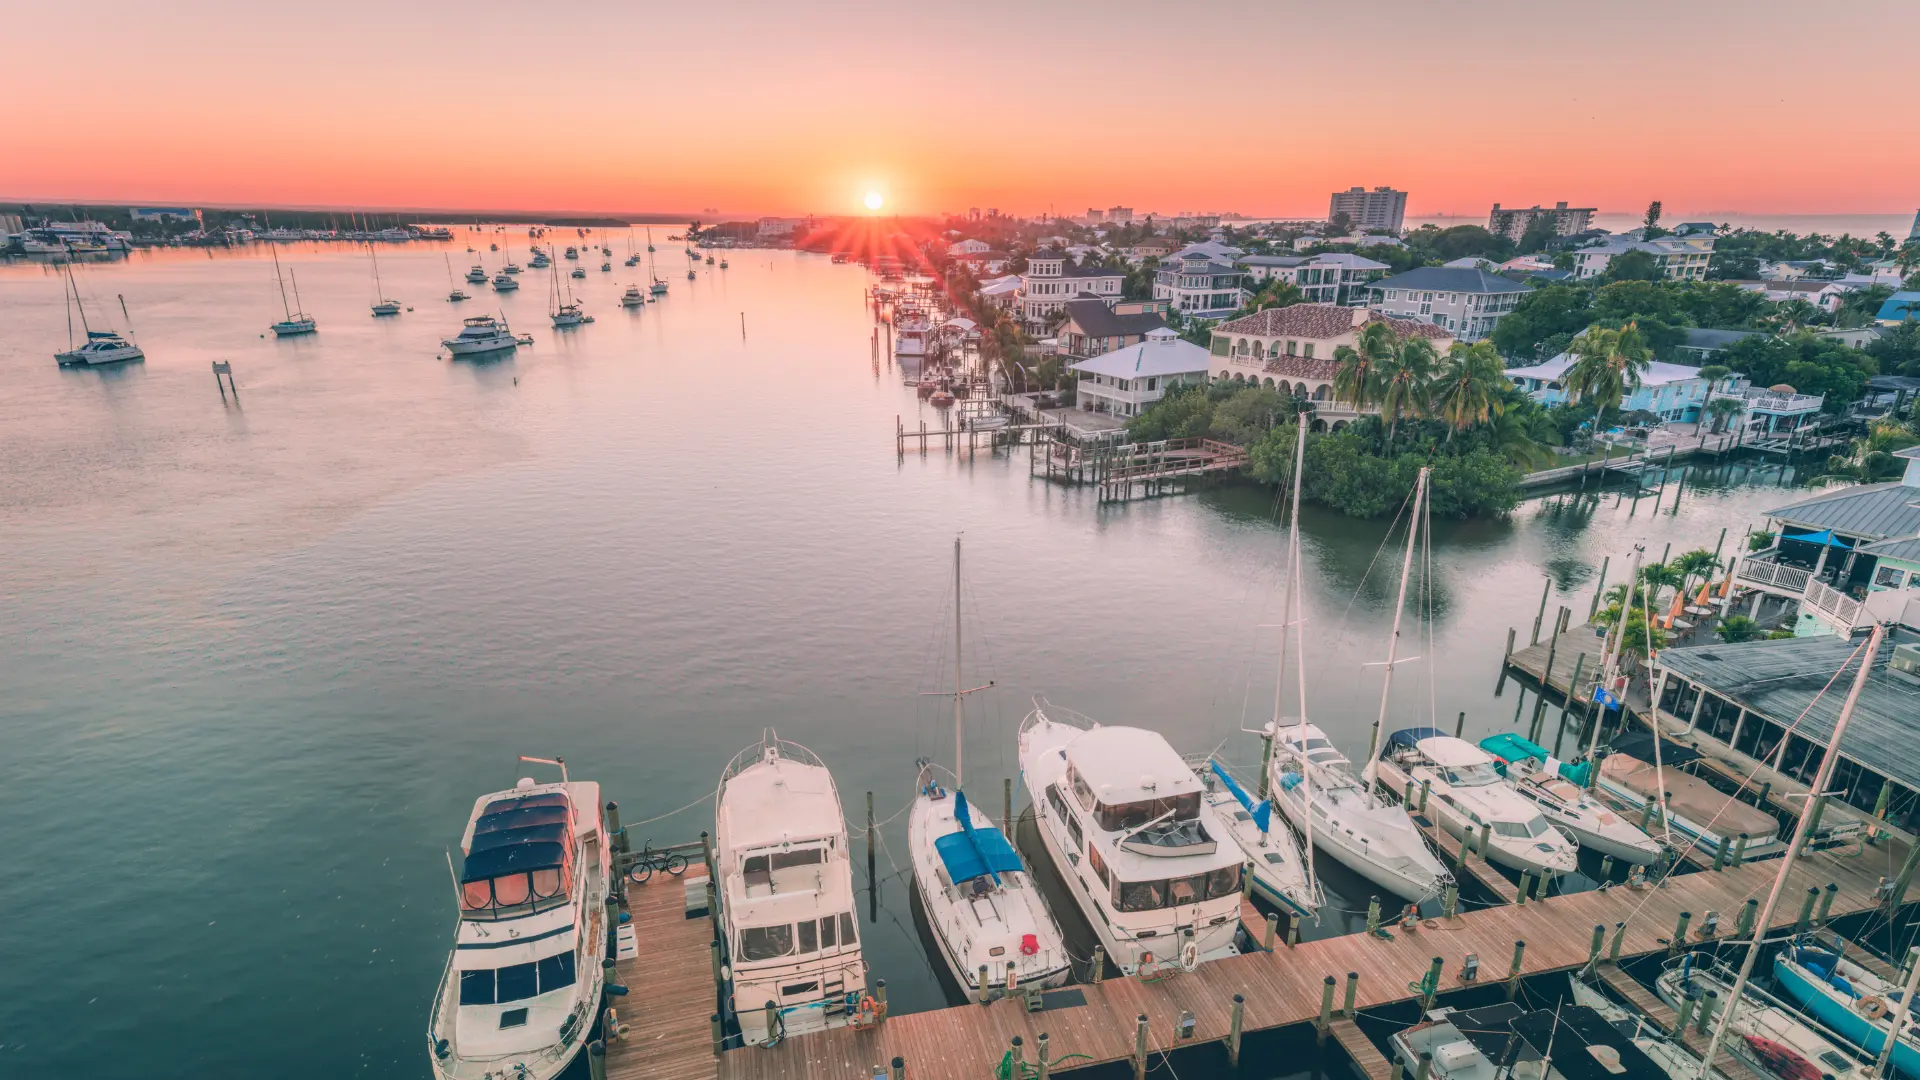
<point x="1052" y="279"/>
<point x="1332" y="277"/>
<point x="1467" y="303"/>
<point x="1381" y="208"/>
<point x="1680" y="258"/>
<point x="1513" y="222"/>
<point x="1292" y="350"/>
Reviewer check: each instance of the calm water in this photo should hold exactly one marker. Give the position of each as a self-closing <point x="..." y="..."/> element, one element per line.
<point x="258" y="659"/>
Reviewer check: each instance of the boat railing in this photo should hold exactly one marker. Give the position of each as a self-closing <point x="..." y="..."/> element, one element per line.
<point x="1046" y="711"/>
<point x="753" y="755"/>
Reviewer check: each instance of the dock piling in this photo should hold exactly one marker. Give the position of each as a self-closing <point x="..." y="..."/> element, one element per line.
<point x="1546" y="589"/>
<point x="985" y="989"/>
<point x="1806" y="909"/>
<point x="1613" y="948"/>
<point x="1430" y="986"/>
<point x="1426" y="790"/>
<point x="1826" y="904"/>
<point x="1744" y="925"/>
<point x="1273" y="923"/>
<point x="1486" y="840"/>
<point x="899" y="1068"/>
<point x="1606" y="868"/>
<point x="1679" y="941"/>
<point x="1520" y="896"/>
<point x="1450" y="900"/>
<point x="1707" y="1007"/>
<point x="713" y="950"/>
<point x="1686" y="1014"/>
<point x="880" y="998"/>
<point x="1017" y="1055"/>
<point x="1233" y="1031"/>
<point x="1513" y="973"/>
<point x="1424" y="1070"/>
<point x="1099" y="965"/>
<point x="1720" y="854"/>
<point x="719" y="1035"/>
<point x="1373" y="914"/>
<point x="1593" y="950"/>
<point x="1140" y="1048"/>
<point x="1739" y="850"/>
<point x="1326" y="1013"/>
<point x="1460" y="725"/>
<point x="1041" y="1063"/>
<point x="1599" y="589"/>
<point x="1353" y="989"/>
<point x="597" y="1060"/>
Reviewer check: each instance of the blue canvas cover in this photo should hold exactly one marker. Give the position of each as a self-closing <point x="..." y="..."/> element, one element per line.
<point x="1409" y="738"/>
<point x="513" y="859"/>
<point x="519" y="817"/>
<point x="552" y="834"/>
<point x="1262" y="813"/>
<point x="971" y="852"/>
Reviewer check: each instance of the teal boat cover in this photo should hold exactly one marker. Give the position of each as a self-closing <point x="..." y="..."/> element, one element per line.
<point x="973" y="852"/>
<point x="1508" y="746"/>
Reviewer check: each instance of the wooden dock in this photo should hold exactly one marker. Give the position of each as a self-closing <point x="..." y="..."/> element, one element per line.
<point x="670" y="991"/>
<point x="1371" y="1062"/>
<point x="1286" y="987"/>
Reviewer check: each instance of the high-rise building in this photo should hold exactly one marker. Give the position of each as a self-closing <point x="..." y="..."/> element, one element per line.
<point x="1094" y="217"/>
<point x="1381" y="208"/>
<point x="1513" y="222"/>
<point x="1122" y="215"/>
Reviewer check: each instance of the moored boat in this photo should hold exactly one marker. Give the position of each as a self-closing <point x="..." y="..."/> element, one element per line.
<point x="100" y="347"/>
<point x="1850" y="1000"/>
<point x="780" y="844"/>
<point x="523" y="981"/>
<point x="1127" y="828"/>
<point x="1373" y="838"/>
<point x="1695" y="809"/>
<point x="1762" y="1034"/>
<point x="1542" y="780"/>
<point x="633" y="297"/>
<point x="480" y="335"/>
<point x="1466" y="796"/>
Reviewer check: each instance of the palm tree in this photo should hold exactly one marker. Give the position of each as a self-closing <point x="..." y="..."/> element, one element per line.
<point x="1468" y="389"/>
<point x="1406" y="378"/>
<point x="1358" y="380"/>
<point x="1509" y="437"/>
<point x="1713" y="373"/>
<point x="1724" y="410"/>
<point x="1607" y="363"/>
<point x="1659" y="576"/>
<point x="1698" y="563"/>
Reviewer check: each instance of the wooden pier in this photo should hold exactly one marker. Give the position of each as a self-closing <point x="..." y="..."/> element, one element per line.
<point x="670" y="990"/>
<point x="1663" y="1017"/>
<point x="1290" y="985"/>
<point x="1151" y="468"/>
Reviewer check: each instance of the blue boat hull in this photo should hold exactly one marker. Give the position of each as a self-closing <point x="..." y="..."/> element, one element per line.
<point x="1823" y="1002"/>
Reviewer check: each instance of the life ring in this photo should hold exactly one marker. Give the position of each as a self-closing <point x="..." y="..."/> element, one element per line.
<point x="1871" y="1007"/>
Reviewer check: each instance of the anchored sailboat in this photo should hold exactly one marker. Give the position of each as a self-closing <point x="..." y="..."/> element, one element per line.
<point x="381" y="305"/>
<point x="985" y="909"/>
<point x="96" y="347"/>
<point x="296" y="321"/>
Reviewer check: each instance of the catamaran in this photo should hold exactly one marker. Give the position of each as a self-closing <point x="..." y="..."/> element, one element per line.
<point x="1124" y="820"/>
<point x="1554" y="786"/>
<point x="983" y="905"/>
<point x="523" y="981"/>
<point x="296" y="322"/>
<point x="381" y="305"/>
<point x="780" y="844"/>
<point x="100" y="346"/>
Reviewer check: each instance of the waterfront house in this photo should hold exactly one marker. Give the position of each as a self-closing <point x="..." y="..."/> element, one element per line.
<point x="1194" y="283"/>
<point x="985" y="262"/>
<point x="1052" y="279"/>
<point x="1290" y="349"/>
<point x="1468" y="303"/>
<point x="1094" y="326"/>
<point x="1331" y="277"/>
<point x="1673" y="392"/>
<point x="1126" y="381"/>
<point x="1679" y="258"/>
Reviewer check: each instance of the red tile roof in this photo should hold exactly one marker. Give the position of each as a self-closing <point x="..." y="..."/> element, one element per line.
<point x="1300" y="367"/>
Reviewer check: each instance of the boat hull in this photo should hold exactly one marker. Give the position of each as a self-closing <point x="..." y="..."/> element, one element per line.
<point x="1405" y="885"/>
<point x="1835" y="1009"/>
<point x="1517" y="856"/>
<point x="293" y="329"/>
<point x="98" y="357"/>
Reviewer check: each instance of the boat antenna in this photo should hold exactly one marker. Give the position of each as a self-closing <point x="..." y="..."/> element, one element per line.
<point x="1290" y="615"/>
<point x="1802" y="829"/>
<point x="1393" y="643"/>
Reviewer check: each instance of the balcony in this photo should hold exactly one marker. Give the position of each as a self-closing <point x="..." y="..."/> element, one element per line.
<point x="1757" y="400"/>
<point x="1776" y="577"/>
<point x="1831" y="606"/>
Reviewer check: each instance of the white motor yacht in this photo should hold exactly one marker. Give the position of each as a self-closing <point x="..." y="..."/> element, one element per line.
<point x="986" y="912"/>
<point x="1535" y="774"/>
<point x="787" y="885"/>
<point x="633" y="297"/>
<point x="1373" y="838"/>
<point x="503" y="282"/>
<point x="1124" y="820"/>
<point x="573" y="253"/>
<point x="477" y="275"/>
<point x="522" y="985"/>
<point x="910" y="336"/>
<point x="480" y="335"/>
<point x="1463" y="790"/>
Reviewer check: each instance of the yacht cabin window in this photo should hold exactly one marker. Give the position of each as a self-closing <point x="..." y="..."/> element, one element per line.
<point x="1479" y="774"/>
<point x="1135" y="814"/>
<point x="773" y="942"/>
<point x="1173" y="892"/>
<point x="1522" y="829"/>
<point x="516" y="982"/>
<point x="1080" y="789"/>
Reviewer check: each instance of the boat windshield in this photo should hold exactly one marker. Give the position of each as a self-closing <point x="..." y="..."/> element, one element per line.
<point x="798" y="939"/>
<point x="516" y="982"/>
<point x="1172" y="892"/>
<point x="1479" y="774"/>
<point x="1132" y="815"/>
<point x="1533" y="828"/>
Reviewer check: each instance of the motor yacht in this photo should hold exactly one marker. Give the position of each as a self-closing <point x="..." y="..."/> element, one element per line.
<point x="1762" y="1034"/>
<point x="572" y="253"/>
<point x="910" y="336"/>
<point x="988" y="918"/>
<point x="1505" y="1041"/>
<point x="477" y="275"/>
<point x="1462" y="790"/>
<point x="578" y="272"/>
<point x="1369" y="836"/>
<point x="1542" y="780"/>
<point x="503" y="282"/>
<point x="786" y="882"/>
<point x="1696" y="811"/>
<point x="481" y="335"/>
<point x="523" y="981"/>
<point x="633" y="297"/>
<point x="1850" y="1000"/>
<point x="1129" y="831"/>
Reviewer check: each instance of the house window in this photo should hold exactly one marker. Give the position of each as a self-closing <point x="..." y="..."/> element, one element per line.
<point x="1309" y="352"/>
<point x="1888" y="577"/>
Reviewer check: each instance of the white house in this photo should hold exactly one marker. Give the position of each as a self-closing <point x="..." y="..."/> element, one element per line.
<point x="1052" y="279"/>
<point x="1124" y="382"/>
<point x="1003" y="292"/>
<point x="1679" y="258"/>
<point x="1825" y="295"/>
<point x="1673" y="391"/>
<point x="969" y="247"/>
<point x="1195" y="283"/>
<point x="1331" y="277"/>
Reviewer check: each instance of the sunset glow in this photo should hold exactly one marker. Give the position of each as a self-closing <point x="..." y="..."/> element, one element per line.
<point x="873" y="200"/>
<point x="786" y="110"/>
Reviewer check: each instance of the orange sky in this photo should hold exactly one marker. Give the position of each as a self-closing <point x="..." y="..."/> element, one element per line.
<point x="785" y="108"/>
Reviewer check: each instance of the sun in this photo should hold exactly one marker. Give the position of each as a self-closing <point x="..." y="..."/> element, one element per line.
<point x="873" y="200"/>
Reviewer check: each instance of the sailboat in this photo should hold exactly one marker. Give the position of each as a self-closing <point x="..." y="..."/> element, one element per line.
<point x="1461" y="789"/>
<point x="1281" y="873"/>
<point x="1852" y="1001"/>
<point x="454" y="295"/>
<point x="99" y="346"/>
<point x="982" y="903"/>
<point x="381" y="305"/>
<point x="659" y="287"/>
<point x="649" y="240"/>
<point x="565" y="312"/>
<point x="1313" y="784"/>
<point x="296" y="322"/>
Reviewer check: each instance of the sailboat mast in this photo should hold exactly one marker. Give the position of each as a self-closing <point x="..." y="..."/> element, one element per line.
<point x="79" y="305"/>
<point x="128" y="316"/>
<point x="959" y="696"/>
<point x="281" y="281"/>
<point x="296" y="291"/>
<point x="1399" y="608"/>
<point x="1822" y="777"/>
<point x="1295" y="585"/>
<point x="66" y="292"/>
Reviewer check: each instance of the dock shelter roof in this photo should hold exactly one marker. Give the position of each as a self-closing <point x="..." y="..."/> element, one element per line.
<point x="1779" y="680"/>
<point x="1872" y="511"/>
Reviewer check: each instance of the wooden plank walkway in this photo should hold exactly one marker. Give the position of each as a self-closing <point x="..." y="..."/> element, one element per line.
<point x="670" y="992"/>
<point x="1284" y="987"/>
<point x="1647" y="1002"/>
<point x="1579" y="640"/>
<point x="1367" y="1056"/>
